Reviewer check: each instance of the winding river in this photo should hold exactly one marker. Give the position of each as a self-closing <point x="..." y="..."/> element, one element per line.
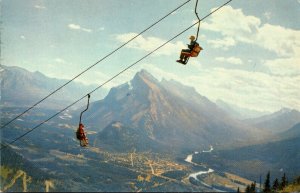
<point x="194" y="175"/>
<point x="189" y="159"/>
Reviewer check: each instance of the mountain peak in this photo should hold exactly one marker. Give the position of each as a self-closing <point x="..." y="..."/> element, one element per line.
<point x="117" y="124"/>
<point x="144" y="81"/>
<point x="145" y="76"/>
<point x="284" y="110"/>
<point x="144" y="73"/>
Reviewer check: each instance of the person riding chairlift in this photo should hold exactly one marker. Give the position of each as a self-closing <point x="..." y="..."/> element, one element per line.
<point x="186" y="53"/>
<point x="81" y="135"/>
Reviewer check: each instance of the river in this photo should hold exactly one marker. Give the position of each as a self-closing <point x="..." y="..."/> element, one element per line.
<point x="189" y="159"/>
<point x="194" y="175"/>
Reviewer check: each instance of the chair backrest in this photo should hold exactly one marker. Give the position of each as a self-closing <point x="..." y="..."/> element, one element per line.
<point x="196" y="50"/>
<point x="78" y="135"/>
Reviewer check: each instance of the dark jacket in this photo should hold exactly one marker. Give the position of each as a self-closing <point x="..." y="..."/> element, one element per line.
<point x="192" y="45"/>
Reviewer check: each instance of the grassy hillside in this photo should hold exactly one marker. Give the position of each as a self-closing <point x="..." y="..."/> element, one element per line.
<point x="293" y="187"/>
<point x="18" y="174"/>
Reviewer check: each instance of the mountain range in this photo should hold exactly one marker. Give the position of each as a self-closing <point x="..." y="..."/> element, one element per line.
<point x="20" y="87"/>
<point x="147" y="118"/>
<point x="239" y="112"/>
<point x="168" y="113"/>
<point x="276" y="122"/>
<point x="290" y="133"/>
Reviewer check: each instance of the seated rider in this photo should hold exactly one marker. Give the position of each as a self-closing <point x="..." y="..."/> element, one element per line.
<point x="81" y="135"/>
<point x="186" y="52"/>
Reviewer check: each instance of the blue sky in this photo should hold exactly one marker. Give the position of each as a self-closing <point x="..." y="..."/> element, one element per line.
<point x="251" y="55"/>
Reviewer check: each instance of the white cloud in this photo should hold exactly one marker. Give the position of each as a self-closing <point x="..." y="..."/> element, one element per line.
<point x="150" y="43"/>
<point x="59" y="60"/>
<point x="74" y="26"/>
<point x="234" y="24"/>
<point x="283" y="41"/>
<point x="232" y="60"/>
<point x="86" y="30"/>
<point x="252" y="90"/>
<point x="78" y="27"/>
<point x="23" y="37"/>
<point x="39" y="7"/>
<point x="284" y="66"/>
<point x="222" y="43"/>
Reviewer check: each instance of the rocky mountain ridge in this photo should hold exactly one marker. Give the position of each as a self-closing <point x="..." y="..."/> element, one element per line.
<point x="169" y="113"/>
<point x="20" y="87"/>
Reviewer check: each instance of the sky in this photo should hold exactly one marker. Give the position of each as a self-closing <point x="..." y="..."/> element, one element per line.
<point x="251" y="55"/>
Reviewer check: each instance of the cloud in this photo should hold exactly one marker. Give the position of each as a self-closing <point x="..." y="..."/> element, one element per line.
<point x="242" y="87"/>
<point x="78" y="27"/>
<point x="232" y="60"/>
<point x="283" y="41"/>
<point x="59" y="60"/>
<point x="222" y="43"/>
<point x="284" y="66"/>
<point x="234" y="24"/>
<point x="23" y="37"/>
<point x="39" y="7"/>
<point x="74" y="26"/>
<point x="86" y="30"/>
<point x="150" y="43"/>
